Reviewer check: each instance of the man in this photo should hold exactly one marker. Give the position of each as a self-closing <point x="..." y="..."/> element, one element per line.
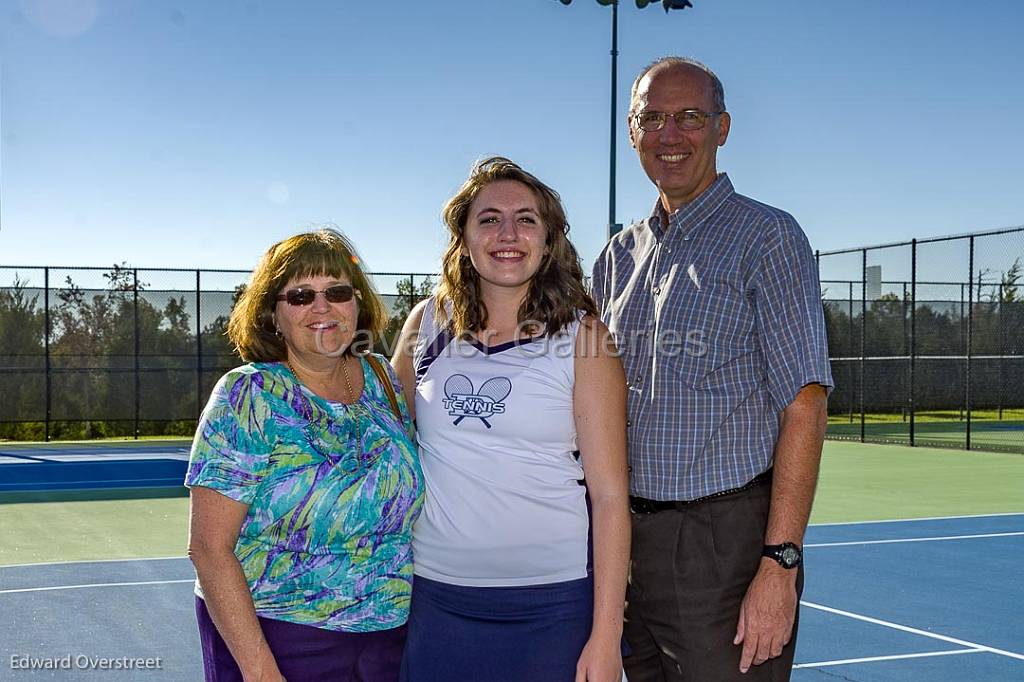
<point x="714" y="302"/>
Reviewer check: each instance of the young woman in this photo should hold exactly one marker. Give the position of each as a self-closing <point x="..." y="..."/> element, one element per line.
<point x="519" y="401"/>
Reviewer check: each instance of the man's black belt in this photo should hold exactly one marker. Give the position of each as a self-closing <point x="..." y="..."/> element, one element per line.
<point x="641" y="505"/>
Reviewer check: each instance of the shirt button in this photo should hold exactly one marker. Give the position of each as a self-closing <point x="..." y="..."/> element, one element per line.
<point x="629" y="423"/>
<point x="686" y="238"/>
<point x="657" y="290"/>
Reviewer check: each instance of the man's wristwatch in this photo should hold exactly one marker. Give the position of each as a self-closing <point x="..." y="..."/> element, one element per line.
<point x="787" y="554"/>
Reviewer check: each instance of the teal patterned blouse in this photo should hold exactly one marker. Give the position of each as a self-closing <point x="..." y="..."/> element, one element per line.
<point x="326" y="540"/>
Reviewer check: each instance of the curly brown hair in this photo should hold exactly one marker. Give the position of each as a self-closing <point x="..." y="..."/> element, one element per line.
<point x="556" y="294"/>
<point x="324" y="252"/>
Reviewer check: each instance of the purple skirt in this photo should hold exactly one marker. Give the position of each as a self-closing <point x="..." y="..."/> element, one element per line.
<point x="308" y="654"/>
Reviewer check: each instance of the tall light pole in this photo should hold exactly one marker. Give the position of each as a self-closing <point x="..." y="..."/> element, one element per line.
<point x="614" y="227"/>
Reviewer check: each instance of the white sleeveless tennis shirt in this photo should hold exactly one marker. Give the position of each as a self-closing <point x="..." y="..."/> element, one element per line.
<point x="504" y="503"/>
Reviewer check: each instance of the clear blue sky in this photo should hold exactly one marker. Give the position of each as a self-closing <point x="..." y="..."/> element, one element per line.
<point x="194" y="133"/>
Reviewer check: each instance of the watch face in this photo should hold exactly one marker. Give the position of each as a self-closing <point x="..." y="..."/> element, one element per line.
<point x="790" y="556"/>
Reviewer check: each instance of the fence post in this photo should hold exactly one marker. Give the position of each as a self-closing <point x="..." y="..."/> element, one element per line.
<point x="913" y="334"/>
<point x="906" y="347"/>
<point x="1002" y="353"/>
<point x="849" y="354"/>
<point x="199" y="348"/>
<point x="138" y="386"/>
<point x="963" y="339"/>
<point x="970" y="342"/>
<point x="412" y="291"/>
<point x="863" y="331"/>
<point x="46" y="344"/>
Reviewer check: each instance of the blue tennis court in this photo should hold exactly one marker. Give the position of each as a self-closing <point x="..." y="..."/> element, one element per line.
<point x="92" y="466"/>
<point x="931" y="599"/>
<point x="907" y="601"/>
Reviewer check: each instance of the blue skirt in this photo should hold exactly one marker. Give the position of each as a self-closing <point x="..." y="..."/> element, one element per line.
<point x="497" y="634"/>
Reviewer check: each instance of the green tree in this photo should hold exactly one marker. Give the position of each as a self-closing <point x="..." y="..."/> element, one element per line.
<point x="1009" y="292"/>
<point x="84" y="327"/>
<point x="94" y="355"/>
<point x="22" y="360"/>
<point x="218" y="352"/>
<point x="408" y="295"/>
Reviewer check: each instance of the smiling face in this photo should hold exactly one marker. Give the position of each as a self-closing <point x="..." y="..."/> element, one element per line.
<point x="682" y="163"/>
<point x="320" y="328"/>
<point x="505" y="237"/>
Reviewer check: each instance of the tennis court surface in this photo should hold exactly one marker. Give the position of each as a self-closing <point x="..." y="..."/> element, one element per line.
<point x="936" y="598"/>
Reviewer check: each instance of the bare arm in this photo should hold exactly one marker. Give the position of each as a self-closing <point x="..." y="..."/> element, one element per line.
<point x="769" y="608"/>
<point x="599" y="405"/>
<point x="797" y="458"/>
<point x="402" y="358"/>
<point x="214" y="524"/>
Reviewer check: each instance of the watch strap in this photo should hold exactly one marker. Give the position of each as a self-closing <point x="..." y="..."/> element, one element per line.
<point x="788" y="554"/>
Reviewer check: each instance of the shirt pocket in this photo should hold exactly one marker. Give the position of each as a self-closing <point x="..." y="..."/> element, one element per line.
<point x="715" y="342"/>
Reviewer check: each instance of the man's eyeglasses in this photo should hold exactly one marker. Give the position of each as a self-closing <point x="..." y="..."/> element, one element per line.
<point x="687" y="119"/>
<point x="339" y="293"/>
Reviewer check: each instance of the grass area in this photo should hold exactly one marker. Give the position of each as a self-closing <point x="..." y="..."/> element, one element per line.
<point x="1010" y="414"/>
<point x="858" y="483"/>
<point x="863" y="482"/>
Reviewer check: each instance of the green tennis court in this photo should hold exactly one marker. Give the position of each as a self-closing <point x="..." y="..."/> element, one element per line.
<point x="859" y="482"/>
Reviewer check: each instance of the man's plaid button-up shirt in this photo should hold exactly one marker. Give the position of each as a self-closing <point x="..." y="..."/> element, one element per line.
<point x="719" y="320"/>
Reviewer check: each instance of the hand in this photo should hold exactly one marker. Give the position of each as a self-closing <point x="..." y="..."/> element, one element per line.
<point x="766" y="615"/>
<point x="600" y="661"/>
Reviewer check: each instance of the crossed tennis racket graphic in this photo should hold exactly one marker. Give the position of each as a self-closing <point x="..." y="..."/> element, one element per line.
<point x="462" y="401"/>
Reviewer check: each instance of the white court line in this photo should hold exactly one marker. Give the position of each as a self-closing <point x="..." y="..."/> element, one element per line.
<point x="894" y="657"/>
<point x="816" y="525"/>
<point x="913" y="631"/>
<point x="79" y="587"/>
<point x="923" y="518"/>
<point x="890" y="520"/>
<point x="889" y="542"/>
<point x="93" y="561"/>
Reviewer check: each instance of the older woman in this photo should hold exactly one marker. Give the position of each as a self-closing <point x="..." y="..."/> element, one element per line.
<point x="511" y="374"/>
<point x="304" y="481"/>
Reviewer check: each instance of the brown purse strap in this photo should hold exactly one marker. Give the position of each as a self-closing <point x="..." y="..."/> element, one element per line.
<point x="385" y="380"/>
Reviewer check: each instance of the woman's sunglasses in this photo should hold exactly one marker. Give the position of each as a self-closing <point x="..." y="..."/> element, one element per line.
<point x="339" y="293"/>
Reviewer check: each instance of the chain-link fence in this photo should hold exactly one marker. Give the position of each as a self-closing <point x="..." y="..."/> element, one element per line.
<point x="94" y="352"/>
<point x="926" y="340"/>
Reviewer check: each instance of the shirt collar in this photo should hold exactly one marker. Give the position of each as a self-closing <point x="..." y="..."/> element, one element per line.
<point x="688" y="217"/>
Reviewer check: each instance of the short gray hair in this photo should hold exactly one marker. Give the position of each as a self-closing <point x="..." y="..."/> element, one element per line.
<point x="717" y="90"/>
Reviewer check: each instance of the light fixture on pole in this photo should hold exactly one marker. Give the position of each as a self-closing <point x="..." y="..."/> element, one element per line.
<point x="614" y="227"/>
